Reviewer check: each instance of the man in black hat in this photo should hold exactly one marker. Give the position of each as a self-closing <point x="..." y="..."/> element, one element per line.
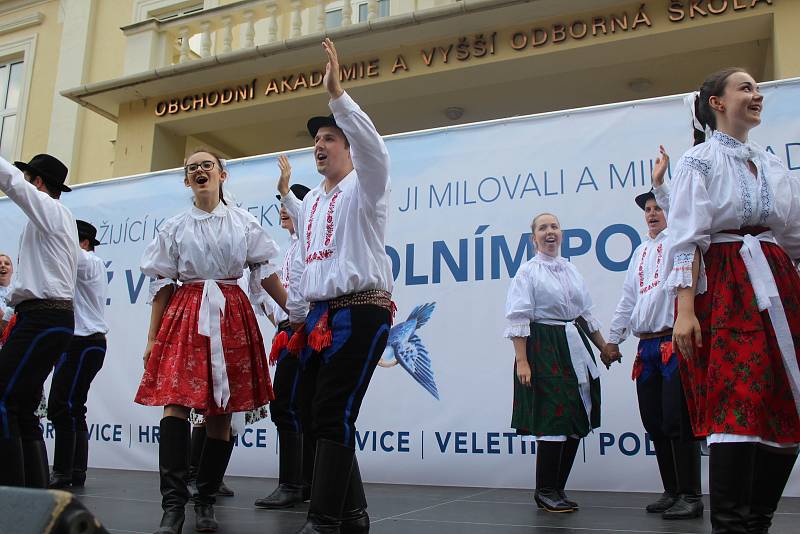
<point x="74" y="372"/>
<point x="648" y="310"/>
<point x="347" y="279"/>
<point x="42" y="294"/>
<point x="296" y="458"/>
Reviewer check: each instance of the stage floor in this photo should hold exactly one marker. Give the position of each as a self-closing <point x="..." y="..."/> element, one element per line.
<point x="127" y="502"/>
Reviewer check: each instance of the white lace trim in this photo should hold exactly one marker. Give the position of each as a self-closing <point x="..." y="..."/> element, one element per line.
<point x="156" y="285"/>
<point x="257" y="293"/>
<point x="517" y="330"/>
<point x="681" y="274"/>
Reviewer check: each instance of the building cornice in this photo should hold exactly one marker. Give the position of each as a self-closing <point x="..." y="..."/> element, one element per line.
<point x="34" y="19"/>
<point x="10" y="6"/>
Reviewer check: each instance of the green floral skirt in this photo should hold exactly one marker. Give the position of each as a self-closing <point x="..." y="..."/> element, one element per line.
<point x="552" y="405"/>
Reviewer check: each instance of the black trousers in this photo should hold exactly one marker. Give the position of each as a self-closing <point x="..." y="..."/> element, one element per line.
<point x="285" y="409"/>
<point x="334" y="381"/>
<point x="37" y="341"/>
<point x="662" y="404"/>
<point x="72" y="377"/>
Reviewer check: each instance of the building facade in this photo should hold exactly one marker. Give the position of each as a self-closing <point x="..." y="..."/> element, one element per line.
<point x="121" y="87"/>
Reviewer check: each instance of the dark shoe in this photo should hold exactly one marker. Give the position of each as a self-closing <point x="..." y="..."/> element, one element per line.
<point x="686" y="507"/>
<point x="333" y="466"/>
<point x="13" y="471"/>
<point x="37" y="473"/>
<point x="355" y="519"/>
<point x="731" y="472"/>
<point x="213" y="464"/>
<point x="772" y="471"/>
<point x="81" y="459"/>
<point x="63" y="460"/>
<point x="224" y="490"/>
<point x="664" y="503"/>
<point x="171" y="522"/>
<point x="573" y="504"/>
<point x="551" y="501"/>
<point x="568" y="452"/>
<point x="204" y="520"/>
<point x="173" y="463"/>
<point x="290" y="474"/>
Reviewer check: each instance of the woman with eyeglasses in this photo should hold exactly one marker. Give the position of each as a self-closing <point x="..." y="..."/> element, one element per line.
<point x="204" y="348"/>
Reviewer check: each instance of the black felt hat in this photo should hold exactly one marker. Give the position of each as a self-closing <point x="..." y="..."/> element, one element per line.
<point x="315" y="123"/>
<point x="299" y="191"/>
<point x="641" y="200"/>
<point x="48" y="168"/>
<point x="87" y="231"/>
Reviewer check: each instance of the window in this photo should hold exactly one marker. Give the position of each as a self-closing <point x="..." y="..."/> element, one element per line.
<point x="170" y="13"/>
<point x="10" y="89"/>
<point x="333" y="18"/>
<point x="363" y="10"/>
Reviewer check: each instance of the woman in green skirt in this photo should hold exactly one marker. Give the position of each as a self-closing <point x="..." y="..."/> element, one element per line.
<point x="556" y="384"/>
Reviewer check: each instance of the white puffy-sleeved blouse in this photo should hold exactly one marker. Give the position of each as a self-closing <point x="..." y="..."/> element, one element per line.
<point x="713" y="190"/>
<point x="197" y="246"/>
<point x="547" y="288"/>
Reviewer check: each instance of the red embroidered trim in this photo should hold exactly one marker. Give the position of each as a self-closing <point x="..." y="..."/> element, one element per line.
<point x="329" y="221"/>
<point x="329" y="228"/>
<point x="319" y="255"/>
<point x="642" y="288"/>
<point x="311" y="221"/>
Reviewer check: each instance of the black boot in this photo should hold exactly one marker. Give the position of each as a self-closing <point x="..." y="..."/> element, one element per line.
<point x="565" y="467"/>
<point x="669" y="477"/>
<point x="195" y="451"/>
<point x="37" y="473"/>
<point x="63" y="459"/>
<point x="731" y="471"/>
<point x="355" y="519"/>
<point x="290" y="474"/>
<point x="213" y="464"/>
<point x="81" y="459"/>
<point x="690" y="495"/>
<point x="333" y="466"/>
<point x="548" y="462"/>
<point x="13" y="471"/>
<point x="173" y="463"/>
<point x="772" y="470"/>
<point x="309" y="453"/>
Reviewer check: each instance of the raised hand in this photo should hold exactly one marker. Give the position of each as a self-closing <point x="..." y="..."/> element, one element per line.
<point x="286" y="173"/>
<point x="331" y="79"/>
<point x="660" y="168"/>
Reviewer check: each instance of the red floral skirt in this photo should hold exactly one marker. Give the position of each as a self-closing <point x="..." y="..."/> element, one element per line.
<point x="179" y="369"/>
<point x="736" y="383"/>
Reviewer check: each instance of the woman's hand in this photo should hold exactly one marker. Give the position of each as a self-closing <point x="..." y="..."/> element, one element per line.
<point x="147" y="350"/>
<point x="660" y="167"/>
<point x="524" y="372"/>
<point x="686" y="333"/>
<point x="286" y="173"/>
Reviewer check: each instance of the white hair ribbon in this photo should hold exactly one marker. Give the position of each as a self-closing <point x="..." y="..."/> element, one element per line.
<point x="690" y="100"/>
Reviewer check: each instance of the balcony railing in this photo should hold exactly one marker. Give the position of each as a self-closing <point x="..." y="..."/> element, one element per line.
<point x="244" y="24"/>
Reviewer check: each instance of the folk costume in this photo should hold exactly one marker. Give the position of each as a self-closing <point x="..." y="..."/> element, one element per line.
<point x="296" y="452"/>
<point x="743" y="386"/>
<point x="77" y="367"/>
<point x="548" y="303"/>
<point x="347" y="280"/>
<point x="42" y="295"/>
<point x="647" y="310"/>
<point x="208" y="330"/>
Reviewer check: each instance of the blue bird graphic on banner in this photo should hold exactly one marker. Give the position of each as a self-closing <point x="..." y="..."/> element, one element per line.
<point x="405" y="347"/>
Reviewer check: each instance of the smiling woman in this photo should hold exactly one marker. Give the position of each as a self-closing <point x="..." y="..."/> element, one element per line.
<point x="205" y="174"/>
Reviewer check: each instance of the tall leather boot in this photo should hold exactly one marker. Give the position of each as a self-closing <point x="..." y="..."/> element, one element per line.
<point x="80" y="461"/>
<point x="669" y="477"/>
<point x="173" y="463"/>
<point x="12" y="472"/>
<point x="63" y="459"/>
<point x="690" y="495"/>
<point x="213" y="464"/>
<point x="731" y="470"/>
<point x="355" y="519"/>
<point x="195" y="452"/>
<point x="548" y="462"/>
<point x="772" y="470"/>
<point x="37" y="473"/>
<point x="290" y="473"/>
<point x="565" y="468"/>
<point x="309" y="453"/>
<point x="333" y="466"/>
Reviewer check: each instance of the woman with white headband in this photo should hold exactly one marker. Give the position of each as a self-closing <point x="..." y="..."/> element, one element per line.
<point x="735" y="225"/>
<point x="204" y="348"/>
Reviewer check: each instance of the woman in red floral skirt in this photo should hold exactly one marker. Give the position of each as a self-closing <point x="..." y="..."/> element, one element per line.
<point x="204" y="348"/>
<point x="735" y="226"/>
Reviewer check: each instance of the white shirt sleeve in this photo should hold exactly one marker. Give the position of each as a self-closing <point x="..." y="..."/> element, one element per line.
<point x="89" y="266"/>
<point x="42" y="210"/>
<point x="294" y="206"/>
<point x="787" y="189"/>
<point x="519" y="306"/>
<point x="620" y="323"/>
<point x="160" y="261"/>
<point x="367" y="149"/>
<point x="662" y="194"/>
<point x="689" y="222"/>
<point x="262" y="254"/>
<point x="295" y="303"/>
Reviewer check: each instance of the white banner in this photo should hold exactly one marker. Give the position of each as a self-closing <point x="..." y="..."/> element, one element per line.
<point x="462" y="202"/>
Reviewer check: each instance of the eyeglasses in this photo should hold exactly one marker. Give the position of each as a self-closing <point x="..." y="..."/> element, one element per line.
<point x="204" y="165"/>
